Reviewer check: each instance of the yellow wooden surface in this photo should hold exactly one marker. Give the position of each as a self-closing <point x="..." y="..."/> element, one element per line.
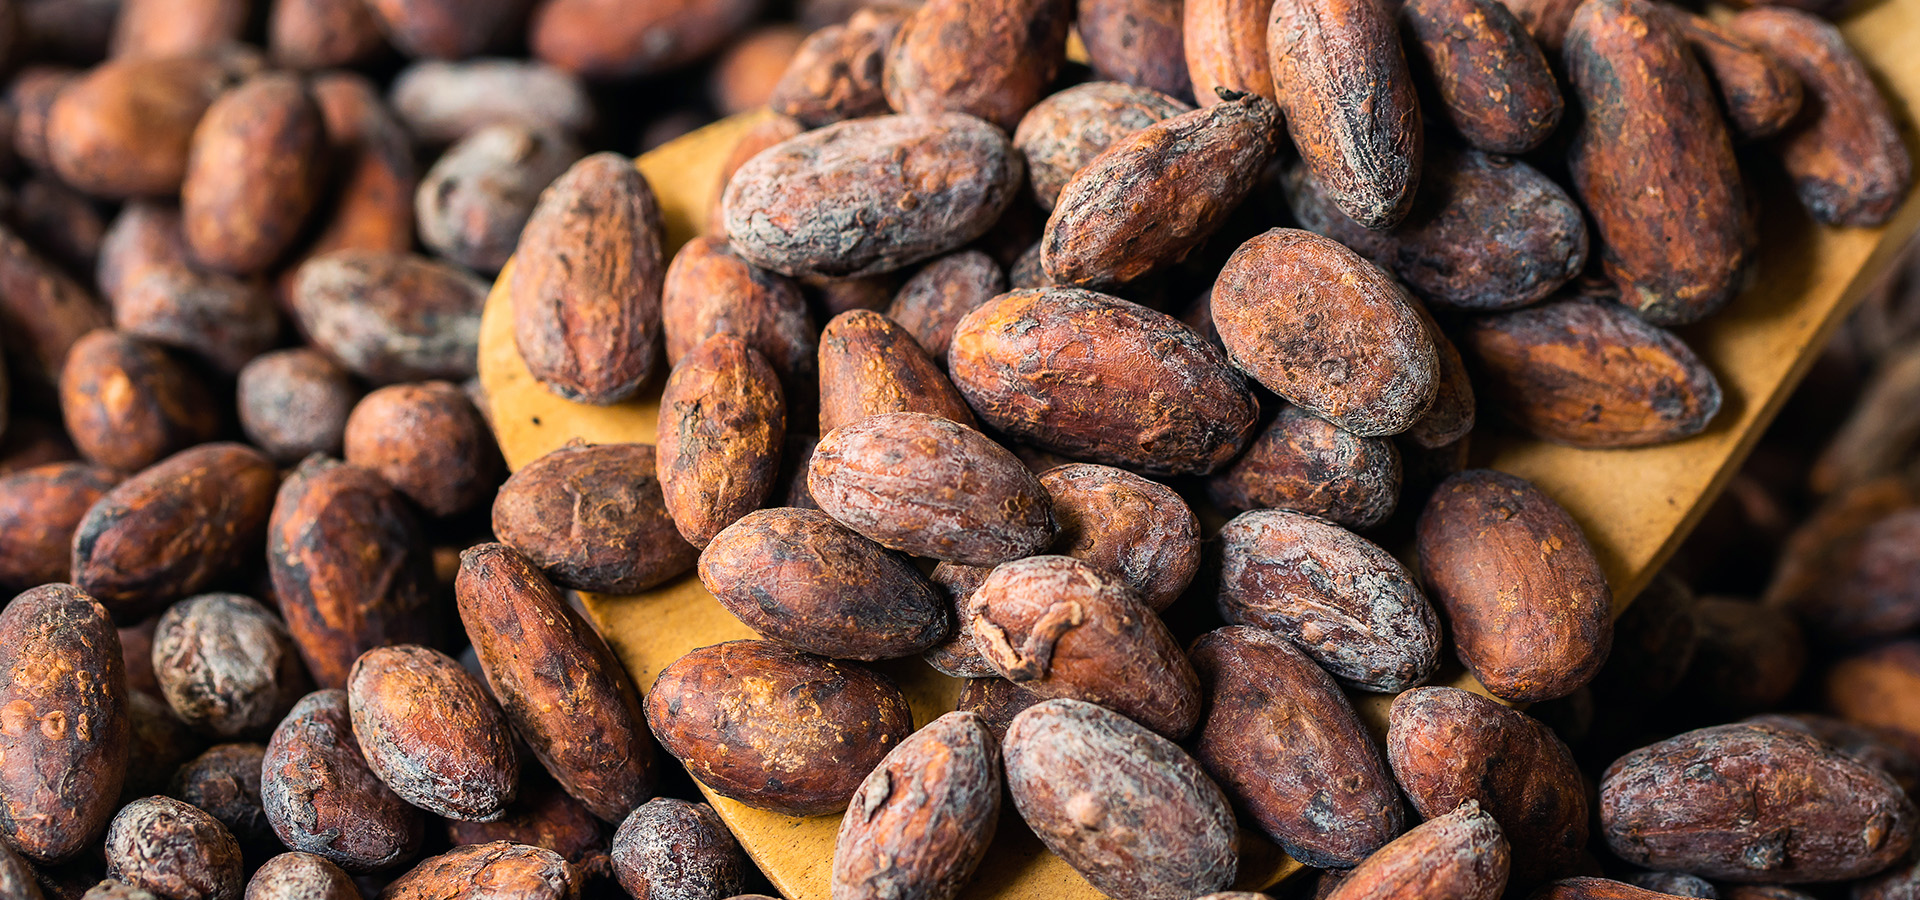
<point x="1636" y="505"/>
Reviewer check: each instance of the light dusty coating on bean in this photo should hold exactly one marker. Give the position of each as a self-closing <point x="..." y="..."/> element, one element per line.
<point x="220" y="319"/>
<point x="870" y="365"/>
<point x="1068" y="130"/>
<point x="1155" y="195"/>
<point x="474" y="201"/>
<point x="921" y="822"/>
<point x="1097" y="378"/>
<point x="1287" y="746"/>
<point x="391" y="317"/>
<point x="1063" y="629"/>
<point x="775" y="728"/>
<point x="1328" y="330"/>
<point x="227" y="665"/>
<point x="1125" y="807"/>
<point x="501" y="870"/>
<point x="175" y="850"/>
<point x="1307" y="464"/>
<point x="1127" y="526"/>
<point x="932" y="303"/>
<point x="442" y="101"/>
<point x="710" y="290"/>
<point x="1349" y="604"/>
<point x="1461" y="855"/>
<point x="301" y="876"/>
<point x="928" y="486"/>
<point x="670" y="849"/>
<point x="836" y="74"/>
<point x="871" y="195"/>
<point x="432" y="733"/>
<point x="322" y="798"/>
<point x="1493" y="82"/>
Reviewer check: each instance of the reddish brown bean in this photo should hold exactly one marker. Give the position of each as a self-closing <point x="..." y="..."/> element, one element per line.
<point x="1461" y="854"/>
<point x="40" y="508"/>
<point x="1493" y="82"/>
<point x="1307" y="464"/>
<point x="127" y="403"/>
<point x="1125" y="525"/>
<point x="609" y="39"/>
<point x="125" y="128"/>
<point x="710" y="290"/>
<point x="445" y="29"/>
<point x="456" y="761"/>
<point x="220" y="319"/>
<point x="301" y="876"/>
<point x="869" y="365"/>
<point x="374" y="174"/>
<point x="959" y="655"/>
<point x="159" y="29"/>
<point x="593" y="518"/>
<point x="429" y="442"/>
<point x="543" y="816"/>
<point x="722" y="423"/>
<point x="1760" y="94"/>
<point x="322" y="34"/>
<point x="836" y="74"/>
<point x="253" y="176"/>
<point x="501" y="870"/>
<point x="931" y="304"/>
<point x="986" y="58"/>
<point x="1878" y="687"/>
<point x="322" y="798"/>
<point x="921" y="822"/>
<point x="670" y="849"/>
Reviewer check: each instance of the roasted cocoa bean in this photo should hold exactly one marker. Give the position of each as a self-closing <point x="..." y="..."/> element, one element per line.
<point x="476" y="198"/>
<point x="460" y="761"/>
<point x="602" y="40"/>
<point x="40" y="508"/>
<point x="124" y="129"/>
<point x="322" y="798"/>
<point x="836" y="74"/>
<point x="253" y="176"/>
<point x="441" y="102"/>
<point x="1760" y="94"/>
<point x="294" y="403"/>
<point x="1136" y="42"/>
<point x="175" y="850"/>
<point x="391" y="317"/>
<point x="670" y="849"/>
<point x="217" y="318"/>
<point x="1462" y="854"/>
<point x="1748" y="658"/>
<point x="1125" y="525"/>
<point x="1492" y="81"/>
<point x="869" y="365"/>
<point x="322" y="34"/>
<point x="301" y="876"/>
<point x="922" y="820"/>
<point x="593" y="518"/>
<point x="127" y="403"/>
<point x="1307" y="464"/>
<point x="931" y="304"/>
<point x="226" y="665"/>
<point x="988" y="58"/>
<point x="722" y="423"/>
<point x="495" y="871"/>
<point x="225" y="781"/>
<point x="429" y="442"/>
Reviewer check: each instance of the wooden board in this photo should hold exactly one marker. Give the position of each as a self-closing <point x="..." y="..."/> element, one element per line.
<point x="1636" y="505"/>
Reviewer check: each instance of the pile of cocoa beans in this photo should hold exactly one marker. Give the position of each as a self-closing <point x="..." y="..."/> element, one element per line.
<point x="994" y="358"/>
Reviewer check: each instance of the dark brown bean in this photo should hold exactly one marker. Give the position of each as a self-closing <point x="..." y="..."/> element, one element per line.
<point x="1676" y="238"/>
<point x="64" y="727"/>
<point x="930" y="487"/>
<point x="959" y="655"/>
<point x="459" y="761"/>
<point x="225" y="781"/>
<point x="301" y="876"/>
<point x="587" y="291"/>
<point x="321" y="798"/>
<point x="543" y="816"/>
<point x="59" y="219"/>
<point x="175" y="850"/>
<point x="932" y="303"/>
<point x="1653" y="643"/>
<point x="1327" y="330"/>
<point x="603" y="40"/>
<point x="988" y="58"/>
<point x="220" y="319"/>
<point x="350" y="567"/>
<point x="670" y="849"/>
<point x="253" y="176"/>
<point x="1748" y="658"/>
<point x="1590" y="374"/>
<point x="1307" y="464"/>
<point x="16" y="877"/>
<point x="1450" y="747"/>
<point x="1594" y="889"/>
<point x="1100" y="791"/>
<point x="1461" y="854"/>
<point x="593" y="518"/>
<point x="31" y="95"/>
<point x="565" y="692"/>
<point x="227" y="665"/>
<point x="921" y="822"/>
<point x="1125" y="525"/>
<point x="40" y="508"/>
<point x="322" y="34"/>
<point x="391" y="317"/>
<point x="1483" y="532"/>
<point x="869" y="365"/>
<point x="996" y="700"/>
<point x="775" y="728"/>
<point x="1288" y="747"/>
<point x="473" y="203"/>
<point x="722" y="423"/>
<point x="294" y="403"/>
<point x="1493" y="82"/>
<point x="127" y="403"/>
<point x="374" y="173"/>
<point x="445" y="29"/>
<point x="1752" y="803"/>
<point x="43" y="313"/>
<point x="1136" y="42"/>
<point x="1155" y="195"/>
<point x="159" y="740"/>
<point x="145" y="235"/>
<point x="1760" y="94"/>
<point x="870" y="196"/>
<point x="798" y="577"/>
<point x="429" y="442"/>
<point x="496" y="871"/>
<point x="1877" y="688"/>
<point x="172" y="530"/>
<point x="836" y="74"/>
<point x="1882" y="748"/>
<point x="1342" y="83"/>
<point x="1068" y="130"/>
<point x="1025" y="364"/>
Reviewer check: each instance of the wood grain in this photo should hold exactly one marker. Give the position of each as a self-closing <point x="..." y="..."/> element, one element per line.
<point x="1636" y="505"/>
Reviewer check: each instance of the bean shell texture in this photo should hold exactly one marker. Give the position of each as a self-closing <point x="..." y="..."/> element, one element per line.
<point x="669" y="849"/>
<point x="1754" y="803"/>
<point x="1493" y="82"/>
<point x="1461" y="855"/>
<point x="1307" y="464"/>
<point x="1125" y="525"/>
<point x="66" y="730"/>
<point x="870" y="196"/>
<point x="560" y="686"/>
<point x="322" y="799"/>
<point x="1061" y="628"/>
<point x="921" y="822"/>
<point x="1094" y="377"/>
<point x="432" y="733"/>
<point x="870" y="365"/>
<point x="1226" y="47"/>
<point x="929" y="486"/>
<point x="594" y="518"/>
<point x="722" y="422"/>
<point x="1287" y="746"/>
<point x="989" y="58"/>
<point x="174" y="849"/>
<point x="1125" y="807"/>
<point x="1326" y="329"/>
<point x="1527" y="601"/>
<point x="501" y="870"/>
<point x="1337" y="596"/>
<point x="1068" y="130"/>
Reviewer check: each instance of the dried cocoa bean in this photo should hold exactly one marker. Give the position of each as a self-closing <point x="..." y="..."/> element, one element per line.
<point x="988" y="58"/>
<point x="593" y="518"/>
<point x="429" y="442"/>
<point x="921" y="822"/>
<point x="226" y="665"/>
<point x="1307" y="464"/>
<point x="40" y="508"/>
<point x="391" y="317"/>
<point x="294" y="403"/>
<point x="722" y="423"/>
<point x="473" y="203"/>
<point x="670" y="849"/>
<point x="459" y="760"/>
<point x="253" y="174"/>
<point x="175" y="850"/>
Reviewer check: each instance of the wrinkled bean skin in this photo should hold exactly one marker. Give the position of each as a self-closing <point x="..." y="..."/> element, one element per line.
<point x="769" y="131"/>
<point x="734" y="714"/>
<point x="474" y="202"/>
<point x="1307" y="464"/>
<point x="1125" y="525"/>
<point x="921" y="822"/>
<point x="322" y="798"/>
<point x="222" y="320"/>
<point x="1653" y="164"/>
<point x="1225" y="43"/>
<point x="253" y="176"/>
<point x="798" y="577"/>
<point x="1484" y="233"/>
<point x="1342" y="82"/>
<point x="928" y="486"/>
<point x="1483" y="532"/>
<point x="722" y="423"/>
<point x="565" y="693"/>
<point x="63" y="679"/>
<point x="1276" y="729"/>
<point x="1761" y="94"/>
<point x="172" y="530"/>
<point x="294" y="403"/>
<point x="176" y="850"/>
<point x="40" y="508"/>
<point x="1848" y="161"/>
<point x="1063" y="629"/>
<point x="586" y="293"/>
<point x="594" y="518"/>
<point x="542" y="815"/>
<point x="349" y="566"/>
<point x="1136" y="42"/>
<point x="959" y="655"/>
<point x="1586" y="888"/>
<point x="988" y="58"/>
<point x="1062" y="134"/>
<point x="1153" y="196"/>
<point x="710" y="290"/>
<point x="1493" y="82"/>
<point x="931" y="304"/>
<point x="1449" y="747"/>
<point x="870" y="196"/>
<point x="670" y="849"/>
<point x="227" y="665"/>
<point x="1102" y="792"/>
<point x="1753" y="803"/>
<point x="459" y="762"/>
<point x="837" y="73"/>
<point x="1327" y="330"/>
<point x="1337" y="596"/>
<point x="391" y="317"/>
<point x="996" y="700"/>
<point x="429" y="442"/>
<point x="225" y="781"/>
<point x="501" y="870"/>
<point x="301" y="876"/>
<point x="1085" y="375"/>
<point x="1461" y="855"/>
<point x="1590" y="374"/>
<point x="870" y="365"/>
